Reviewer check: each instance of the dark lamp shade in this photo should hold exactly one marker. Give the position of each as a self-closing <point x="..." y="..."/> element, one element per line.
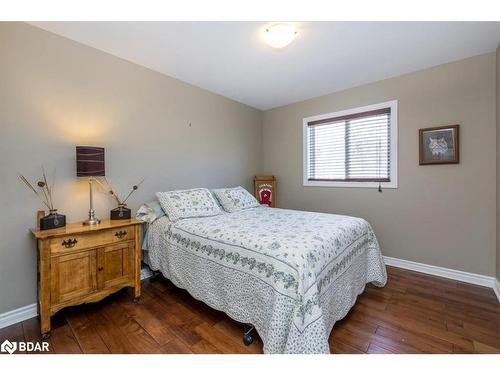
<point x="89" y="161"/>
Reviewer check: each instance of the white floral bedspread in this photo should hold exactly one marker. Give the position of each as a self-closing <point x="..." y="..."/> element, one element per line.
<point x="292" y="274"/>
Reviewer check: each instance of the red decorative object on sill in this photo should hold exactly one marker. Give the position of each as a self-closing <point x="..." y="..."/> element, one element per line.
<point x="265" y="190"/>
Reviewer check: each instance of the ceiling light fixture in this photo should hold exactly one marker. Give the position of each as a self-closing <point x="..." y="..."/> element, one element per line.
<point x="280" y="35"/>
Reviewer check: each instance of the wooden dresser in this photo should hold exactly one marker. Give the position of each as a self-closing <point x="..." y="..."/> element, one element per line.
<point x="80" y="264"/>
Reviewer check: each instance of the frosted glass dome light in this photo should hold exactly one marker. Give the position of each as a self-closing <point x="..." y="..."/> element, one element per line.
<point x="280" y="35"/>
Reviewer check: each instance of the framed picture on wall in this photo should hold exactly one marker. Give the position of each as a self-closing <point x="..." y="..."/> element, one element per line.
<point x="439" y="145"/>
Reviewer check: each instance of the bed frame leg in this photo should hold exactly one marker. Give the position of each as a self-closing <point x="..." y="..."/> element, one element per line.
<point x="248" y="334"/>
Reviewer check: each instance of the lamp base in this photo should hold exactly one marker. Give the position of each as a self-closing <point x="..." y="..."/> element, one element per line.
<point x="91" y="222"/>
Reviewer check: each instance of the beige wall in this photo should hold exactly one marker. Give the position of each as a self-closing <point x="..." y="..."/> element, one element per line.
<point x="498" y="157"/>
<point x="56" y="93"/>
<point x="439" y="215"/>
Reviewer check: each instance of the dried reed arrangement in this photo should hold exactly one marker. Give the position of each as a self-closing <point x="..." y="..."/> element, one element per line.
<point x="104" y="184"/>
<point x="44" y="192"/>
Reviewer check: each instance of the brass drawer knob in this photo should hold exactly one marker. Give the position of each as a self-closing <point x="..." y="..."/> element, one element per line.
<point x="69" y="243"/>
<point x="121" y="234"/>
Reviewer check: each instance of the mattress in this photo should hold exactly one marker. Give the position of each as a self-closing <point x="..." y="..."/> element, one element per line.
<point x="291" y="274"/>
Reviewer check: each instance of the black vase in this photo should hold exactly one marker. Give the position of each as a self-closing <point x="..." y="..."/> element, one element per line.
<point x="120" y="213"/>
<point x="52" y="220"/>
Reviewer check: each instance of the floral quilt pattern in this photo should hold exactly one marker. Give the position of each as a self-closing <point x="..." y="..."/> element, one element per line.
<point x="305" y="269"/>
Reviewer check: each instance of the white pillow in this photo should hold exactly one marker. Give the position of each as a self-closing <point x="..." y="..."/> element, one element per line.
<point x="149" y="212"/>
<point x="235" y="199"/>
<point x="182" y="204"/>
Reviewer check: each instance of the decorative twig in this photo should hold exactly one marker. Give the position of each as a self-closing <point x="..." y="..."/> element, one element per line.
<point x="28" y="184"/>
<point x="52" y="186"/>
<point x="41" y="185"/>
<point x="48" y="188"/>
<point x="107" y="189"/>
<point x="44" y="185"/>
<point x="111" y="192"/>
<point x="99" y="182"/>
<point x="134" y="188"/>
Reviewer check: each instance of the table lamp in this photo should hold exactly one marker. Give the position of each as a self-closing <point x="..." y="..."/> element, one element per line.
<point x="90" y="163"/>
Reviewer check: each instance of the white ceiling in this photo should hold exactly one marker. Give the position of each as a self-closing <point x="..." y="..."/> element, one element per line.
<point x="229" y="58"/>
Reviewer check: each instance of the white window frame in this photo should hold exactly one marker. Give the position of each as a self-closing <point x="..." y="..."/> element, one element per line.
<point x="393" y="184"/>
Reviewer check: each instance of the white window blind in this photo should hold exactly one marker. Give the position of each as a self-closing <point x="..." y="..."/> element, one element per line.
<point x="350" y="148"/>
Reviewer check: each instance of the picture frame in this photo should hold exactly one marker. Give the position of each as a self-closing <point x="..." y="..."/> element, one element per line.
<point x="439" y="145"/>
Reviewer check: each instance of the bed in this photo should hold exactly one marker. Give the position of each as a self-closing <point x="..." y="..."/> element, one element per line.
<point x="291" y="274"/>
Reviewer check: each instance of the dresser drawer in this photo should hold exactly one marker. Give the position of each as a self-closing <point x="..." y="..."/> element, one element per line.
<point x="90" y="240"/>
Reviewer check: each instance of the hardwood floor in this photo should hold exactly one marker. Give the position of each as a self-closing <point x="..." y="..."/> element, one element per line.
<point x="414" y="313"/>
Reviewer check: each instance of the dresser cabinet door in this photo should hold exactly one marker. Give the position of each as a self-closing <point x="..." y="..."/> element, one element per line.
<point x="115" y="265"/>
<point x="73" y="275"/>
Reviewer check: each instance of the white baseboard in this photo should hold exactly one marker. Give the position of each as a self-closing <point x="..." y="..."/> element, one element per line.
<point x="18" y="315"/>
<point x="27" y="312"/>
<point x="496" y="288"/>
<point x="466" y="277"/>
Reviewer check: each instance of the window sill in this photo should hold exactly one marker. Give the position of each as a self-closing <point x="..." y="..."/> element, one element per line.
<point x="339" y="184"/>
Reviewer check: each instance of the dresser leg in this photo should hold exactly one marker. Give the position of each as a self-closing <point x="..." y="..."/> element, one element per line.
<point x="44" y="286"/>
<point x="137" y="294"/>
<point x="137" y="264"/>
<point x="45" y="325"/>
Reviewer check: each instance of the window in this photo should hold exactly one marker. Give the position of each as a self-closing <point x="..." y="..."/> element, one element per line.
<point x="352" y="148"/>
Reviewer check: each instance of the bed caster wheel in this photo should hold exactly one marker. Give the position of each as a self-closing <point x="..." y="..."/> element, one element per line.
<point x="46" y="336"/>
<point x="247" y="339"/>
<point x="247" y="334"/>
